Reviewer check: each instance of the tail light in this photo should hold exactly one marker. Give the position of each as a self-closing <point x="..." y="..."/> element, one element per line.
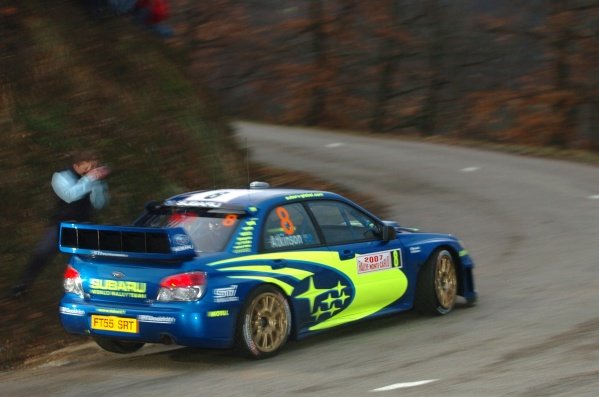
<point x="72" y="281"/>
<point x="182" y="287"/>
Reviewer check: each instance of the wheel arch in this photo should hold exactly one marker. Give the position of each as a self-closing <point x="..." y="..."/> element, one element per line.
<point x="243" y="342"/>
<point x="456" y="260"/>
<point x="287" y="297"/>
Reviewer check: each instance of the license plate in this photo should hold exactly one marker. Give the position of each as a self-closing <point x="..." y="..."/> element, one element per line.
<point x="116" y="324"/>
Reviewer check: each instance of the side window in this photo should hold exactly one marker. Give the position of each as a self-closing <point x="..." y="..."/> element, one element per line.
<point x="341" y="223"/>
<point x="289" y="227"/>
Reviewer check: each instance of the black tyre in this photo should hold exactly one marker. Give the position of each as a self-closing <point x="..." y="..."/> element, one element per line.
<point x="437" y="287"/>
<point x="118" y="346"/>
<point x="264" y="323"/>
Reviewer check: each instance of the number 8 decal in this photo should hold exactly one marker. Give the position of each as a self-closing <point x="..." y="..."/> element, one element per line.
<point x="286" y="222"/>
<point x="229" y="220"/>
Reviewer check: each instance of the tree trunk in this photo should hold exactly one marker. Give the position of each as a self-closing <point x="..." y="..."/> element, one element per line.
<point x="436" y="55"/>
<point x="564" y="107"/>
<point x="388" y="55"/>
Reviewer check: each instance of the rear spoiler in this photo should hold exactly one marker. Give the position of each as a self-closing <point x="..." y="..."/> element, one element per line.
<point x="125" y="241"/>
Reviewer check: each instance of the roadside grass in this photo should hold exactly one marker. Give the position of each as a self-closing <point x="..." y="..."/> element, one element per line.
<point x="69" y="83"/>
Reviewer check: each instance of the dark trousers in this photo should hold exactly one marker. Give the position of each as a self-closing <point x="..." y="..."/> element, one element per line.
<point x="43" y="253"/>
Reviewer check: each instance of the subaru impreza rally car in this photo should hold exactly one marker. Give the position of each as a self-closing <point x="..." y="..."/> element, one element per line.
<point x="250" y="268"/>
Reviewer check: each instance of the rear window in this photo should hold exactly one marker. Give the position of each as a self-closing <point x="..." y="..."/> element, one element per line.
<point x="209" y="232"/>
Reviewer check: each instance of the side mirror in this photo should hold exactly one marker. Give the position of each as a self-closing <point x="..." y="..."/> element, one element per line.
<point x="388" y="233"/>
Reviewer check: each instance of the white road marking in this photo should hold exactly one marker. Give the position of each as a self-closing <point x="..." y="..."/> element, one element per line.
<point x="334" y="144"/>
<point x="594" y="197"/>
<point x="405" y="385"/>
<point x="470" y="169"/>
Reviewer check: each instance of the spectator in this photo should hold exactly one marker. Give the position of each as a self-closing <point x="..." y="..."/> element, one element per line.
<point x="79" y="189"/>
<point x="121" y="7"/>
<point x="153" y="14"/>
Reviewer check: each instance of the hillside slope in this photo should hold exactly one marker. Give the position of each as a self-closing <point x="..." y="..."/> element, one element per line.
<point x="68" y="82"/>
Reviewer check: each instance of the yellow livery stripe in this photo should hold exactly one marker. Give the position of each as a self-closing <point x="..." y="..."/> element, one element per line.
<point x="284" y="286"/>
<point x="287" y="271"/>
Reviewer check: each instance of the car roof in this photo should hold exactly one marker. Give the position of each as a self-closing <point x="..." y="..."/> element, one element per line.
<point x="245" y="198"/>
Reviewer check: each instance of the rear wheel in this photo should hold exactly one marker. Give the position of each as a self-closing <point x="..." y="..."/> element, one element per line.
<point x="118" y="346"/>
<point x="264" y="324"/>
<point x="437" y="284"/>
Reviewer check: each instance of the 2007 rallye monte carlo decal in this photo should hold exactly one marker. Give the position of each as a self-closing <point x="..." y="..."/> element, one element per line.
<point x="250" y="268"/>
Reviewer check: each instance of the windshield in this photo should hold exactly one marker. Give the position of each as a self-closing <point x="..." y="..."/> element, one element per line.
<point x="209" y="232"/>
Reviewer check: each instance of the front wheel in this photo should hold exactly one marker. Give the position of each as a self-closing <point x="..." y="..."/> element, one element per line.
<point x="264" y="324"/>
<point x="118" y="346"/>
<point x="437" y="287"/>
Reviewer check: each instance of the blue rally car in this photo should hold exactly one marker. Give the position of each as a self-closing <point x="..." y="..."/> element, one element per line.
<point x="250" y="268"/>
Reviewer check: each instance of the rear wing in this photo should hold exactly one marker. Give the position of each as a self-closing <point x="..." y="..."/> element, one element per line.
<point x="125" y="241"/>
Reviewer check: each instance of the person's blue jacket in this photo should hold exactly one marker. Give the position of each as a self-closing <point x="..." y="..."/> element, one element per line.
<point x="71" y="187"/>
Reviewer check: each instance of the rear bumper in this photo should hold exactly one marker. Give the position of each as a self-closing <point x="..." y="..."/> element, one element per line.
<point x="187" y="324"/>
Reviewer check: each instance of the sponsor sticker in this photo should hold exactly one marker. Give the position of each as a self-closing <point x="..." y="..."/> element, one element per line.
<point x="181" y="239"/>
<point x="72" y="312"/>
<point x="209" y="199"/>
<point x="415" y="250"/>
<point x="226" y="294"/>
<point x="124" y="289"/>
<point x="111" y="311"/>
<point x="143" y="318"/>
<point x="102" y="253"/>
<point x="194" y="203"/>
<point x="181" y="248"/>
<point x="378" y="261"/>
<point x="218" y="313"/>
<point x="303" y="196"/>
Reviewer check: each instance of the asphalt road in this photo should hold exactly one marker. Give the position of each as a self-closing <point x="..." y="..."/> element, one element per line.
<point x="532" y="227"/>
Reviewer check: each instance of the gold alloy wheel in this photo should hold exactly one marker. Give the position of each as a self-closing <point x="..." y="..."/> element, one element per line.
<point x="446" y="283"/>
<point x="269" y="322"/>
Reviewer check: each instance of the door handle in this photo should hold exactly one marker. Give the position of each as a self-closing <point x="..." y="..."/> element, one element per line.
<point x="346" y="254"/>
<point x="278" y="263"/>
